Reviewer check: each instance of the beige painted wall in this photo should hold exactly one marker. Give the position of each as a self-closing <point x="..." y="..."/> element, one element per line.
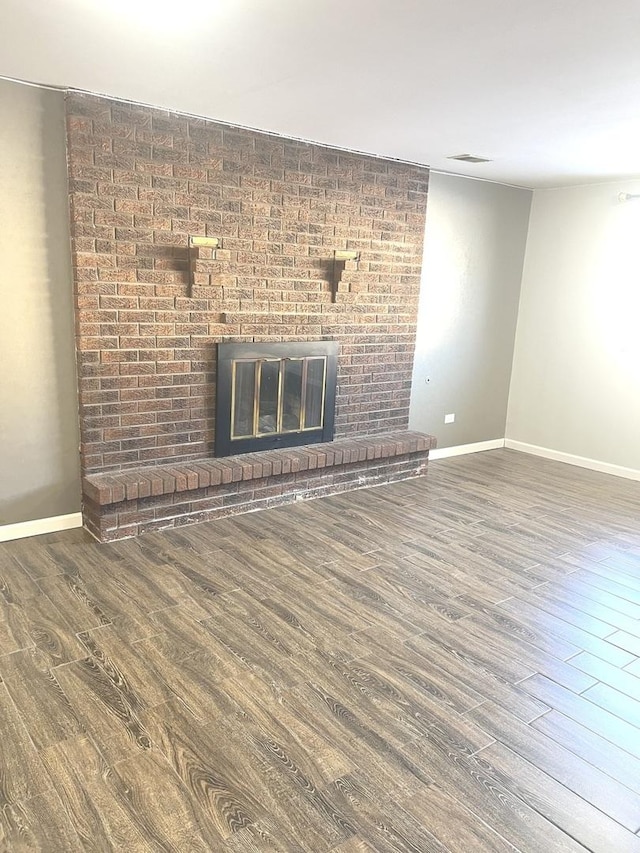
<point x="39" y="469"/>
<point x="474" y="250"/>
<point x="576" y="372"/>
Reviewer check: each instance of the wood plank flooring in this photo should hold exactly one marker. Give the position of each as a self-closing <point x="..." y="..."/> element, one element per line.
<point x="444" y="664"/>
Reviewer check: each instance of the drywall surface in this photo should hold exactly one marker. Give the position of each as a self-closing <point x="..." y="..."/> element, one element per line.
<point x="474" y="250"/>
<point x="39" y="471"/>
<point x="576" y="372"/>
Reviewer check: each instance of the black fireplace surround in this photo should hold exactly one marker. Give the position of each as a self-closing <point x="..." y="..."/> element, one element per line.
<point x="274" y="395"/>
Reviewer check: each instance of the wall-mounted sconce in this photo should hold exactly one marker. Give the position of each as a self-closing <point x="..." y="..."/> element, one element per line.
<point x="340" y="258"/>
<point x="196" y="244"/>
<point x="628" y="196"/>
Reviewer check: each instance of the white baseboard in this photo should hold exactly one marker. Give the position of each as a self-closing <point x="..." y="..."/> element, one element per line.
<point x="461" y="449"/>
<point x="570" y="459"/>
<point x="40" y="526"/>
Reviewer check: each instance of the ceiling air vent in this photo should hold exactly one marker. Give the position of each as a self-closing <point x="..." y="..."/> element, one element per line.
<point x="469" y="158"/>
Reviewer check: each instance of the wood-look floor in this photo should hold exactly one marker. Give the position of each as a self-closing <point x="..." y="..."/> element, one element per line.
<point x="444" y="664"/>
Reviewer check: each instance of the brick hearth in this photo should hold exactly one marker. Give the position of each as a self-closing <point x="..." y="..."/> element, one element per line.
<point x="142" y="181"/>
<point x="127" y="503"/>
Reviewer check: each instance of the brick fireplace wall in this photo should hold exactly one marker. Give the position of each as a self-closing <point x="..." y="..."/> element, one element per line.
<point x="141" y="180"/>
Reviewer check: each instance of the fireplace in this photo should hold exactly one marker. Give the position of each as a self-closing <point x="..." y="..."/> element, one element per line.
<point x="151" y="310"/>
<point x="274" y="395"/>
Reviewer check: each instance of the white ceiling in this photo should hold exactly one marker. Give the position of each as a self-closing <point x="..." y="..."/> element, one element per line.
<point x="549" y="90"/>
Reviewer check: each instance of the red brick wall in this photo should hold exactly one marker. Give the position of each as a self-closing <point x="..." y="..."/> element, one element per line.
<point x="141" y="181"/>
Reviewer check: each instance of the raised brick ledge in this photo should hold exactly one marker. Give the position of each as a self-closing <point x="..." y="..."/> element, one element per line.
<point x="155" y="480"/>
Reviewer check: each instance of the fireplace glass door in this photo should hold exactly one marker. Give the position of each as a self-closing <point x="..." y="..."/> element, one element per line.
<point x="274" y="395"/>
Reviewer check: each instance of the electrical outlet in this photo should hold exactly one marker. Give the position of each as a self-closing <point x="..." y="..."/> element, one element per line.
<point x="449" y="419"/>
